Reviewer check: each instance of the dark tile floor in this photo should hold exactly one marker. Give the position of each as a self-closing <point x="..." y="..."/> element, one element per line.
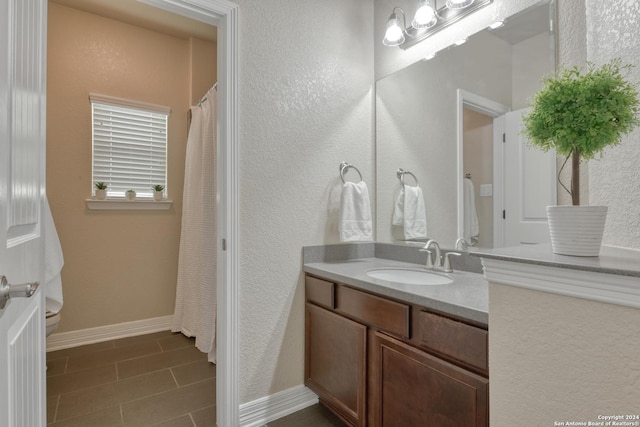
<point x="152" y="380"/>
<point x="313" y="416"/>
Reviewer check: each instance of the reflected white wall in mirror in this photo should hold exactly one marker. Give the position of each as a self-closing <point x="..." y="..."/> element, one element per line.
<point x="417" y="123"/>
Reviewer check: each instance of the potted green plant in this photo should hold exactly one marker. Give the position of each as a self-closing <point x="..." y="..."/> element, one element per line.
<point x="101" y="190"/>
<point x="130" y="194"/>
<point x="157" y="192"/>
<point x="578" y="114"/>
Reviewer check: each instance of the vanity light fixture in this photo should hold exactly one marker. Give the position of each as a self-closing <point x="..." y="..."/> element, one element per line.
<point x="394" y="34"/>
<point x="425" y="16"/>
<point x="427" y="20"/>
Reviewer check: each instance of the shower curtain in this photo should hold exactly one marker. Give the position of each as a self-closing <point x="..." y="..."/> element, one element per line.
<point x="195" y="311"/>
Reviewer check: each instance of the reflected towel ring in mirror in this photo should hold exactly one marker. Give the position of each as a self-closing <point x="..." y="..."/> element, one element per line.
<point x="344" y="168"/>
<point x="401" y="173"/>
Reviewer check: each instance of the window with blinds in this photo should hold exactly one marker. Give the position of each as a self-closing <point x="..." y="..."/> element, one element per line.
<point x="129" y="145"/>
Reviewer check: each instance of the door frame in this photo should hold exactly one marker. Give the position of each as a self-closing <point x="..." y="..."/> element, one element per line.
<point x="224" y="15"/>
<point x="493" y="109"/>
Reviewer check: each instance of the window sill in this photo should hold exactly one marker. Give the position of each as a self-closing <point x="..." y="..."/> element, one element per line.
<point x="128" y="205"/>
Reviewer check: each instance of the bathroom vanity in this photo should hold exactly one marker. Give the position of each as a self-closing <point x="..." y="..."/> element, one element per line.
<point x="380" y="353"/>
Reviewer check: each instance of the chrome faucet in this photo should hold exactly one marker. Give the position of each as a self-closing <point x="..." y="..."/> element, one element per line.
<point x="441" y="263"/>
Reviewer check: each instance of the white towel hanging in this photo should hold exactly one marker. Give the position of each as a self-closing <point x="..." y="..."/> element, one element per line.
<point x="53" y="262"/>
<point x="355" y="223"/>
<point x="409" y="212"/>
<point x="471" y="227"/>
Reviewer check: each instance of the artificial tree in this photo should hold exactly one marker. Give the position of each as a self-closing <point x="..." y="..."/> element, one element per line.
<point x="580" y="113"/>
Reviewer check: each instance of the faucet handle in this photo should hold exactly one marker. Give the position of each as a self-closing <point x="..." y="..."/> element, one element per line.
<point x="447" y="261"/>
<point x="429" y="263"/>
<point x="462" y="244"/>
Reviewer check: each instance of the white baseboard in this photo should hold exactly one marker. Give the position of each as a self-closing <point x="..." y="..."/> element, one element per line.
<point x="269" y="408"/>
<point x="70" y="339"/>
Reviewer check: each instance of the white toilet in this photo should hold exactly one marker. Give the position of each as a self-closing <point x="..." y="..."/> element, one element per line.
<point x="52" y="321"/>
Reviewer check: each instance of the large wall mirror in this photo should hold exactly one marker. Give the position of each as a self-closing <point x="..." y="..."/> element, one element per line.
<point x="443" y="119"/>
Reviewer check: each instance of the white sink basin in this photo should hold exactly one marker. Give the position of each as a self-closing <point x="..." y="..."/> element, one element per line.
<point x="409" y="276"/>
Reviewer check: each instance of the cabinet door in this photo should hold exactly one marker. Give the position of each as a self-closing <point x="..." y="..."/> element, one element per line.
<point x="335" y="365"/>
<point x="417" y="389"/>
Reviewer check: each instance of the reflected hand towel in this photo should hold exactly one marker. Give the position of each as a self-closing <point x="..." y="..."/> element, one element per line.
<point x="355" y="223"/>
<point x="471" y="229"/>
<point x="414" y="214"/>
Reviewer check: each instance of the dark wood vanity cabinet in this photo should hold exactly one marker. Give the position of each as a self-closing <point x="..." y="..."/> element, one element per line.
<point x="415" y="388"/>
<point x="379" y="362"/>
<point x="336" y="363"/>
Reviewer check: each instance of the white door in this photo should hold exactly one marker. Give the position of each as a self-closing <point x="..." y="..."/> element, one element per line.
<point x="529" y="185"/>
<point x="22" y="165"/>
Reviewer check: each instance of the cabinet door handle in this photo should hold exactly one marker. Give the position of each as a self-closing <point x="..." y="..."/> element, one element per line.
<point x="7" y="291"/>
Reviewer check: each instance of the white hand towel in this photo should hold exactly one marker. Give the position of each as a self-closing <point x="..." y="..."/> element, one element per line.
<point x="471" y="227"/>
<point x="415" y="214"/>
<point x="398" y="209"/>
<point x="355" y="223"/>
<point x="53" y="262"/>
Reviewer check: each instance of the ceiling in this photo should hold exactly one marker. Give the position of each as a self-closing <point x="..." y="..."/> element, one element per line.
<point x="142" y="15"/>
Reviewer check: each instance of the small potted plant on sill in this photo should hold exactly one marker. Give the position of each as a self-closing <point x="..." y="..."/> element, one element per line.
<point x="157" y="192"/>
<point x="101" y="190"/>
<point x="579" y="114"/>
<point x="130" y="194"/>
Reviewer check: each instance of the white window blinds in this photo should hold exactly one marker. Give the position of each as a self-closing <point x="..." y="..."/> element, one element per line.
<point x="129" y="145"/>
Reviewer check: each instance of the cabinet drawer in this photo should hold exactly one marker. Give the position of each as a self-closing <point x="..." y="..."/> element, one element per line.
<point x="382" y="313"/>
<point x="463" y="342"/>
<point x="320" y="292"/>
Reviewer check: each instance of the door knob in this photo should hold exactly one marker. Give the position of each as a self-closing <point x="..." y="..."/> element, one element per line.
<point x="8" y="291"/>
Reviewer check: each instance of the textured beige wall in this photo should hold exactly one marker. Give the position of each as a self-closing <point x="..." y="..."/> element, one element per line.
<point x="612" y="32"/>
<point x="554" y="358"/>
<point x="202" y="60"/>
<point x="119" y="265"/>
<point x="306" y="81"/>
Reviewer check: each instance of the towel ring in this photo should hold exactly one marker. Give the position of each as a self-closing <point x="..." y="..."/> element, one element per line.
<point x="401" y="173"/>
<point x="344" y="168"/>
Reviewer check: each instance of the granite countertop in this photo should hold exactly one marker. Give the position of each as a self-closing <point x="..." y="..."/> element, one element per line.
<point x="612" y="260"/>
<point x="467" y="297"/>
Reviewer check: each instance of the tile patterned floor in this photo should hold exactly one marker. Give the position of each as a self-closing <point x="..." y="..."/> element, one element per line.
<point x="158" y="380"/>
<point x="152" y="380"/>
<point x="313" y="416"/>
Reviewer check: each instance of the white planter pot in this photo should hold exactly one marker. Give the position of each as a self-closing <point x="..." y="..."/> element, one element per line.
<point x="157" y="196"/>
<point x="130" y="195"/>
<point x="101" y="194"/>
<point x="576" y="230"/>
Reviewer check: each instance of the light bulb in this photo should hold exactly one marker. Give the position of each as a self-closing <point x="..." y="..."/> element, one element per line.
<point x="496" y="24"/>
<point x="425" y="16"/>
<point x="394" y="34"/>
